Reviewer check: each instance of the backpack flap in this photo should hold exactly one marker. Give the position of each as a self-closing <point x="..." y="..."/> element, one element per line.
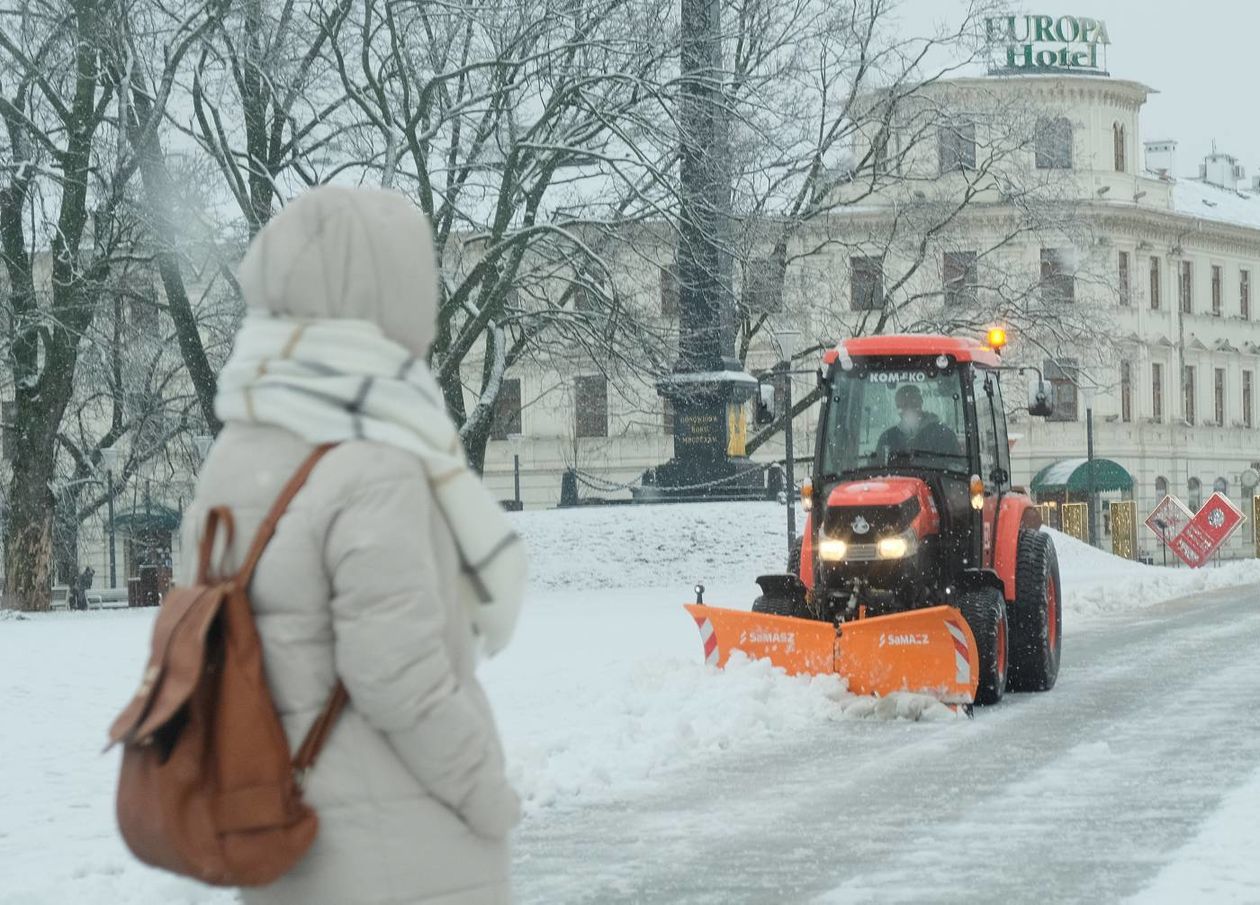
<point x="181" y="636"/>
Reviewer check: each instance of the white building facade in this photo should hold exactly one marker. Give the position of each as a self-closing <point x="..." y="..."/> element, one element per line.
<point x="1168" y="273"/>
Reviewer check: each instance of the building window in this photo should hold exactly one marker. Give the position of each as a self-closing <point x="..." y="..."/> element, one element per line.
<point x="1062" y="377"/>
<point x="1117" y="140"/>
<point x="1185" y="285"/>
<point x="1155" y="284"/>
<point x="591" y="404"/>
<point x="1157" y="393"/>
<point x="1194" y="493"/>
<point x="1244" y="294"/>
<point x="1123" y="275"/>
<point x="1187" y="389"/>
<point x="1126" y="391"/>
<point x="961" y="280"/>
<point x="669" y="291"/>
<point x="866" y="277"/>
<point x="507" y="410"/>
<point x="1053" y="141"/>
<point x="1246" y="400"/>
<point x="1161" y="488"/>
<point x="1216" y="290"/>
<point x="1218" y="397"/>
<point x="956" y="146"/>
<point x="1058" y="284"/>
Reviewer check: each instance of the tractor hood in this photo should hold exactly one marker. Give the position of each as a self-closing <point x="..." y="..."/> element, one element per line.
<point x="890" y="491"/>
<point x="862" y="511"/>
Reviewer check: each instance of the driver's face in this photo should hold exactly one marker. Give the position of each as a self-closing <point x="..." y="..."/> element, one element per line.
<point x="911" y="418"/>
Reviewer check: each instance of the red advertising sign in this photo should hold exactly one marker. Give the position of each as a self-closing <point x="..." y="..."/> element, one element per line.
<point x="1210" y="527"/>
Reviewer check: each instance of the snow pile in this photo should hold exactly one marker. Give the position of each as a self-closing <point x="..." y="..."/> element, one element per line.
<point x="654" y="545"/>
<point x="668" y="715"/>
<point x="1096" y="583"/>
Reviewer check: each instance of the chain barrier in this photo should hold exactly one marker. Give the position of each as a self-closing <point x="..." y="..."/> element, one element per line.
<point x="595" y="482"/>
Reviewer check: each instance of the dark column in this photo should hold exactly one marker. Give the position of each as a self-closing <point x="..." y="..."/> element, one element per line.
<point x="708" y="386"/>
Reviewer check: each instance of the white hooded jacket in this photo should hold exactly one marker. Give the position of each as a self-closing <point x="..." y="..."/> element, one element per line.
<point x="358" y="583"/>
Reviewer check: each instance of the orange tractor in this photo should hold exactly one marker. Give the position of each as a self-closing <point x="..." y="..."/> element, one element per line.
<point x="921" y="568"/>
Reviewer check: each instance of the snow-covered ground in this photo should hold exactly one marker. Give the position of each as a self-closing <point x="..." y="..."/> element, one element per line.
<point x="602" y="698"/>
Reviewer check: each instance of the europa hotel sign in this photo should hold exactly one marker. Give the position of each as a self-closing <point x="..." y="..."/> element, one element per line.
<point x="1047" y="44"/>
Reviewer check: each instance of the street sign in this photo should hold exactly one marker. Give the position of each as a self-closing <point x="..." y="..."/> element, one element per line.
<point x="1210" y="527"/>
<point x="1175" y="516"/>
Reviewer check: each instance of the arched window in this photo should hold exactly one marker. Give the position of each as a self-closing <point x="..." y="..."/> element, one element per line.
<point x="1194" y="492"/>
<point x="1161" y="488"/>
<point x="1220" y="485"/>
<point x="1053" y="143"/>
<point x="1117" y="135"/>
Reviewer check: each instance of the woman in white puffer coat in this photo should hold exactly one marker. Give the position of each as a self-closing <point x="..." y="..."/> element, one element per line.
<point x="391" y="568"/>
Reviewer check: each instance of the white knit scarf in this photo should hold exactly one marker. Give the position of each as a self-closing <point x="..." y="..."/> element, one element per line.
<point x="330" y="381"/>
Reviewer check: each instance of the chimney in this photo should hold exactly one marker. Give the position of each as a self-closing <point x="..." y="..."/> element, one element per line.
<point x="1221" y="169"/>
<point x="1161" y="158"/>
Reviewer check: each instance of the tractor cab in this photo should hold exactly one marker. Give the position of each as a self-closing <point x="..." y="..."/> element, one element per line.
<point x="911" y="464"/>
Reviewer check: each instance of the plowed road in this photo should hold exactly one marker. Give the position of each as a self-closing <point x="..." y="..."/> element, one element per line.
<point x="1078" y="795"/>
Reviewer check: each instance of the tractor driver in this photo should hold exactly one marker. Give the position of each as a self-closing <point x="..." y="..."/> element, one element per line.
<point x="916" y="431"/>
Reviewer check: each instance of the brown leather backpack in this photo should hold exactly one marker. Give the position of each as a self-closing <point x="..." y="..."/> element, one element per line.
<point x="208" y="788"/>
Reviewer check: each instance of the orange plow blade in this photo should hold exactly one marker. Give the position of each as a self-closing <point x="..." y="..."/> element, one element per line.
<point x="930" y="651"/>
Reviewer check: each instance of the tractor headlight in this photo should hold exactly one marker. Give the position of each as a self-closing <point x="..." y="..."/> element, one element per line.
<point x="832" y="550"/>
<point x="892" y="548"/>
<point x="897" y="547"/>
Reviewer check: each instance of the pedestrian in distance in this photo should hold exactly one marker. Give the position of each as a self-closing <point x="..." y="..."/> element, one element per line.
<point x="392" y="571"/>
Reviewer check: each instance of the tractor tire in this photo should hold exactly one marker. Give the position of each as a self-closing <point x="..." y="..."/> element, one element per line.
<point x="985" y="611"/>
<point x="1037" y="620"/>
<point x="774" y="605"/>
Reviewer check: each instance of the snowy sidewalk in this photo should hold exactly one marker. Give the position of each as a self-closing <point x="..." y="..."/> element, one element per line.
<point x="602" y="698"/>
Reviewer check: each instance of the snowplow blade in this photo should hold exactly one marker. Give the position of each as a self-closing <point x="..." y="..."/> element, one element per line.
<point x="930" y="651"/>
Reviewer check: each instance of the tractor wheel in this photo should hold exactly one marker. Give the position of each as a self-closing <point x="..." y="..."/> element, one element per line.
<point x="985" y="611"/>
<point x="774" y="605"/>
<point x="1037" y="622"/>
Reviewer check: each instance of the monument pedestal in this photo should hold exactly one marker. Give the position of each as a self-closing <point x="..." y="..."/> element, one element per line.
<point x="710" y="429"/>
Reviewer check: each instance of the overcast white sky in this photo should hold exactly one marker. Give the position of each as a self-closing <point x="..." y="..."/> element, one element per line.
<point x="1202" y="58"/>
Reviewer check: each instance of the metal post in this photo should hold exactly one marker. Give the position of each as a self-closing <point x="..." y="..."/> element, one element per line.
<point x="789" y="456"/>
<point x="516" y="477"/>
<point x="113" y="561"/>
<point x="1089" y="455"/>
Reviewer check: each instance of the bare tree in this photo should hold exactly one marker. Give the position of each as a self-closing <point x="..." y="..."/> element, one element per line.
<point x="63" y="222"/>
<point x="523" y="133"/>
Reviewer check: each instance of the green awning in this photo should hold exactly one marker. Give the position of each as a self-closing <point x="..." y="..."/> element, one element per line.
<point x="142" y="520"/>
<point x="1072" y="476"/>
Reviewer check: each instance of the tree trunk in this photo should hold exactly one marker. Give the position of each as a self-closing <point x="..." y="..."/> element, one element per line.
<point x="28" y="547"/>
<point x="158" y="197"/>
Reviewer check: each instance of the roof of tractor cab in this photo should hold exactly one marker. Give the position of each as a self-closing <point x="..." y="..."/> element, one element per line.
<point x="897" y="345"/>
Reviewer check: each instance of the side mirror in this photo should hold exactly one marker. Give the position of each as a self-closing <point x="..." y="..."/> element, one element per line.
<point x="1040" y="400"/>
<point x="765" y="413"/>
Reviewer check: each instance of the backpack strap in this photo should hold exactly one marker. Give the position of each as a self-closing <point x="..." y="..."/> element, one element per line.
<point x="320" y="730"/>
<point x="268" y="527"/>
<point x="216" y="516"/>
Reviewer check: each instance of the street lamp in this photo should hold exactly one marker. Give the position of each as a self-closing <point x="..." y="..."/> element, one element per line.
<point x="109" y="459"/>
<point x="786" y="341"/>
<point x="514" y="441"/>
<point x="1090" y="486"/>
